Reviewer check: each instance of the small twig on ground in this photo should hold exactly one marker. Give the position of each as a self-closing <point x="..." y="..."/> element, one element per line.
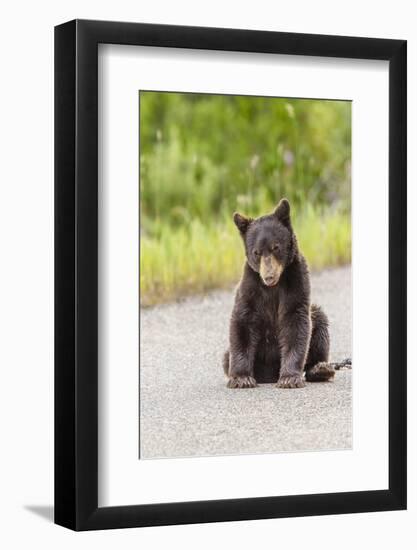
<point x="345" y="364"/>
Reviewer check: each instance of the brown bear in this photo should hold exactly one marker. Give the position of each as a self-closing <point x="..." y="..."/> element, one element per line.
<point x="276" y="334"/>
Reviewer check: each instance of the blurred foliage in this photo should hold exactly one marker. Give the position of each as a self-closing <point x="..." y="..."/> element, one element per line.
<point x="204" y="156"/>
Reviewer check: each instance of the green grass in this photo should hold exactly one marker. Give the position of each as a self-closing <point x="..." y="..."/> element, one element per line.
<point x="203" y="156"/>
<point x="200" y="257"/>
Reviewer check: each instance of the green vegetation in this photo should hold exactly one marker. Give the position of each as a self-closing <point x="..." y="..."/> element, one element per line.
<point x="204" y="157"/>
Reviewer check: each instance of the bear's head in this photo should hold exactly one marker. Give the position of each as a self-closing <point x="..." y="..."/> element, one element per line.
<point x="270" y="243"/>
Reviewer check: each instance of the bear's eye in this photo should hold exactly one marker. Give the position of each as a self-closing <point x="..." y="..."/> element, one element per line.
<point x="275" y="247"/>
<point x="256" y="252"/>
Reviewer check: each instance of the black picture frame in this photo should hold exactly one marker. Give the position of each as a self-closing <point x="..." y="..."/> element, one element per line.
<point x="76" y="273"/>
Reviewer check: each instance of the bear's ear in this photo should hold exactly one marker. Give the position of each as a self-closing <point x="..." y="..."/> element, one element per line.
<point x="282" y="211"/>
<point x="241" y="222"/>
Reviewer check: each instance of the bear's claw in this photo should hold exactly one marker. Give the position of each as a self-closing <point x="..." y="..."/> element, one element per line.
<point x="293" y="381"/>
<point x="241" y="382"/>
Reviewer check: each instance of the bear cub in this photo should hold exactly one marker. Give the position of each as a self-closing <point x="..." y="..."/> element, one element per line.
<point x="276" y="334"/>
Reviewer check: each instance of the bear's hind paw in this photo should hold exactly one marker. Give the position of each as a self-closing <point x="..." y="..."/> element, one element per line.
<point x="322" y="372"/>
<point x="241" y="382"/>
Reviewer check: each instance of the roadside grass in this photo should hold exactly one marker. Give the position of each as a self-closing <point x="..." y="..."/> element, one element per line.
<point x="204" y="156"/>
<point x="197" y="257"/>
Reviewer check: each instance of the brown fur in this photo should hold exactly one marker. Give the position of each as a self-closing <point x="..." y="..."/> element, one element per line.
<point x="275" y="333"/>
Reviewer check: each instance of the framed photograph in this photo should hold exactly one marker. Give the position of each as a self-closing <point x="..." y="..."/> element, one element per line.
<point x="230" y="275"/>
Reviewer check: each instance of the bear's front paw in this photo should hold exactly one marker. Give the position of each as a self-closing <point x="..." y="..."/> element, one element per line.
<point x="291" y="381"/>
<point x="241" y="382"/>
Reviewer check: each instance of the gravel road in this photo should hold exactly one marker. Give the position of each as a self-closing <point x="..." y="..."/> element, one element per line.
<point x="186" y="409"/>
